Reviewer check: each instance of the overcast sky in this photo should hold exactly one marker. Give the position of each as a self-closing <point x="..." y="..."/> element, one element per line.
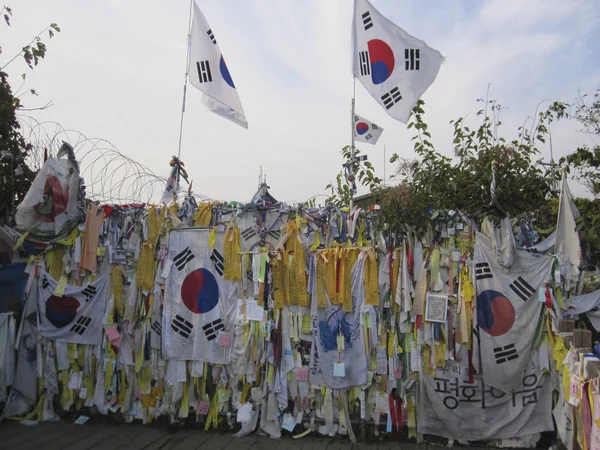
<point x="116" y="72"/>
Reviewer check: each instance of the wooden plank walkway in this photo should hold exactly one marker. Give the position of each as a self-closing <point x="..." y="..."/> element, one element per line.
<point x="97" y="435"/>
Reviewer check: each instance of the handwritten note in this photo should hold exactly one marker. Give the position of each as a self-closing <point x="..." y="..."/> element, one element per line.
<point x="203" y="408"/>
<point x="224" y="340"/>
<point x="302" y="374"/>
<point x="254" y="311"/>
<point x="339" y="369"/>
<point x="244" y="414"/>
<point x="61" y="286"/>
<point x="112" y="333"/>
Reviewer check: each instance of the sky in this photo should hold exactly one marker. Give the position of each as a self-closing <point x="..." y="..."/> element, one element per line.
<point x="116" y="72"/>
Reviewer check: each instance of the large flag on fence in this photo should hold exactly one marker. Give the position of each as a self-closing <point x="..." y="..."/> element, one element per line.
<point x="366" y="131"/>
<point x="76" y="316"/>
<point x="507" y="311"/>
<point x="197" y="299"/>
<point x="208" y="72"/>
<point x="453" y="407"/>
<point x="395" y="67"/>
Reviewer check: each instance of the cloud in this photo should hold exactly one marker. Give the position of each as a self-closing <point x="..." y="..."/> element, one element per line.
<point x="116" y="72"/>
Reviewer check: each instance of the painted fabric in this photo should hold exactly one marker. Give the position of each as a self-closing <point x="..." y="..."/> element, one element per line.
<point x="507" y="306"/>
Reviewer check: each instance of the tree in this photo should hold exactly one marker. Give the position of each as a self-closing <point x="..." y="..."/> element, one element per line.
<point x="586" y="160"/>
<point x="15" y="175"/>
<point x="487" y="175"/>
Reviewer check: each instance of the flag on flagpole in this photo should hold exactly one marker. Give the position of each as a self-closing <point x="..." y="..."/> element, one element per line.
<point x="366" y="131"/>
<point x="567" y="247"/>
<point x="395" y="67"/>
<point x="208" y="72"/>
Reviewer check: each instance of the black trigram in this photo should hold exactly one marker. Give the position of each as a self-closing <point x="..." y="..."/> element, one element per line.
<point x="365" y="65"/>
<point x="522" y="288"/>
<point x="211" y="330"/>
<point x="355" y="119"/>
<point x="483" y="271"/>
<point x="217" y="260"/>
<point x="211" y="36"/>
<point x="374" y="127"/>
<point x="368" y="136"/>
<point x="182" y="326"/>
<point x="412" y="59"/>
<point x="45" y="282"/>
<point x="248" y="233"/>
<point x="204" y="75"/>
<point x="391" y="98"/>
<point x="157" y="327"/>
<point x="505" y="354"/>
<point x="367" y="21"/>
<point x="275" y="234"/>
<point x="182" y="258"/>
<point x="81" y="325"/>
<point x="89" y="293"/>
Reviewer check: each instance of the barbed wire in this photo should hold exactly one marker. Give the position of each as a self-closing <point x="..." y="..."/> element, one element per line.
<point x="110" y="176"/>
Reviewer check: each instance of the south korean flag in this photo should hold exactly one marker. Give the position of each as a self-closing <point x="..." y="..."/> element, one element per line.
<point x="197" y="299"/>
<point x="395" y="67"/>
<point x="208" y="72"/>
<point x="366" y="131"/>
<point x="508" y="311"/>
<point x="73" y="316"/>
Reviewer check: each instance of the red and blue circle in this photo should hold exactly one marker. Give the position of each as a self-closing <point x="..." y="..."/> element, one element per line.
<point x="200" y="291"/>
<point x="495" y="313"/>
<point x="361" y="128"/>
<point x="61" y="311"/>
<point x="382" y="60"/>
<point x="225" y="73"/>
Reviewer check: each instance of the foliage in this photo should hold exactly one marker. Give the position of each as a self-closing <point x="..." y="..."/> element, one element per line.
<point x="585" y="161"/>
<point x="435" y="181"/>
<point x="15" y="175"/>
<point x="363" y="172"/>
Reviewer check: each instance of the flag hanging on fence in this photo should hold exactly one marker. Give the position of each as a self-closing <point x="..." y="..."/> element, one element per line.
<point x="208" y="72"/>
<point x="366" y="131"/>
<point x="395" y="67"/>
<point x="197" y="299"/>
<point x="75" y="316"/>
<point x="507" y="311"/>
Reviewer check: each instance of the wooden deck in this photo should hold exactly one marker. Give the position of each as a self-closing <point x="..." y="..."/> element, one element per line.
<point x="97" y="435"/>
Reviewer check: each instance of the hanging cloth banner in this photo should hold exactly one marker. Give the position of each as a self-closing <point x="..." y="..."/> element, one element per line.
<point x="454" y="408"/>
<point x="507" y="309"/>
<point x="340" y="337"/>
<point x="76" y="316"/>
<point x="197" y="299"/>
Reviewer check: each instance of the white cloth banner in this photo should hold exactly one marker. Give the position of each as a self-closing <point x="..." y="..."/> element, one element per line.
<point x="567" y="247"/>
<point x="328" y="324"/>
<point x="208" y="72"/>
<point x="50" y="206"/>
<point x="76" y="316"/>
<point x="507" y="311"/>
<point x="366" y="131"/>
<point x="453" y="408"/>
<point x="197" y="300"/>
<point x="393" y="66"/>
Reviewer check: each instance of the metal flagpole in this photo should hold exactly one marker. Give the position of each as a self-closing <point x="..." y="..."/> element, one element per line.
<point x="383" y="165"/>
<point x="352" y="114"/>
<point x="187" y="63"/>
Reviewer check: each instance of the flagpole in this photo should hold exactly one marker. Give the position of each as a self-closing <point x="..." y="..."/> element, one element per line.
<point x="352" y="114"/>
<point x="383" y="165"/>
<point x="187" y="63"/>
